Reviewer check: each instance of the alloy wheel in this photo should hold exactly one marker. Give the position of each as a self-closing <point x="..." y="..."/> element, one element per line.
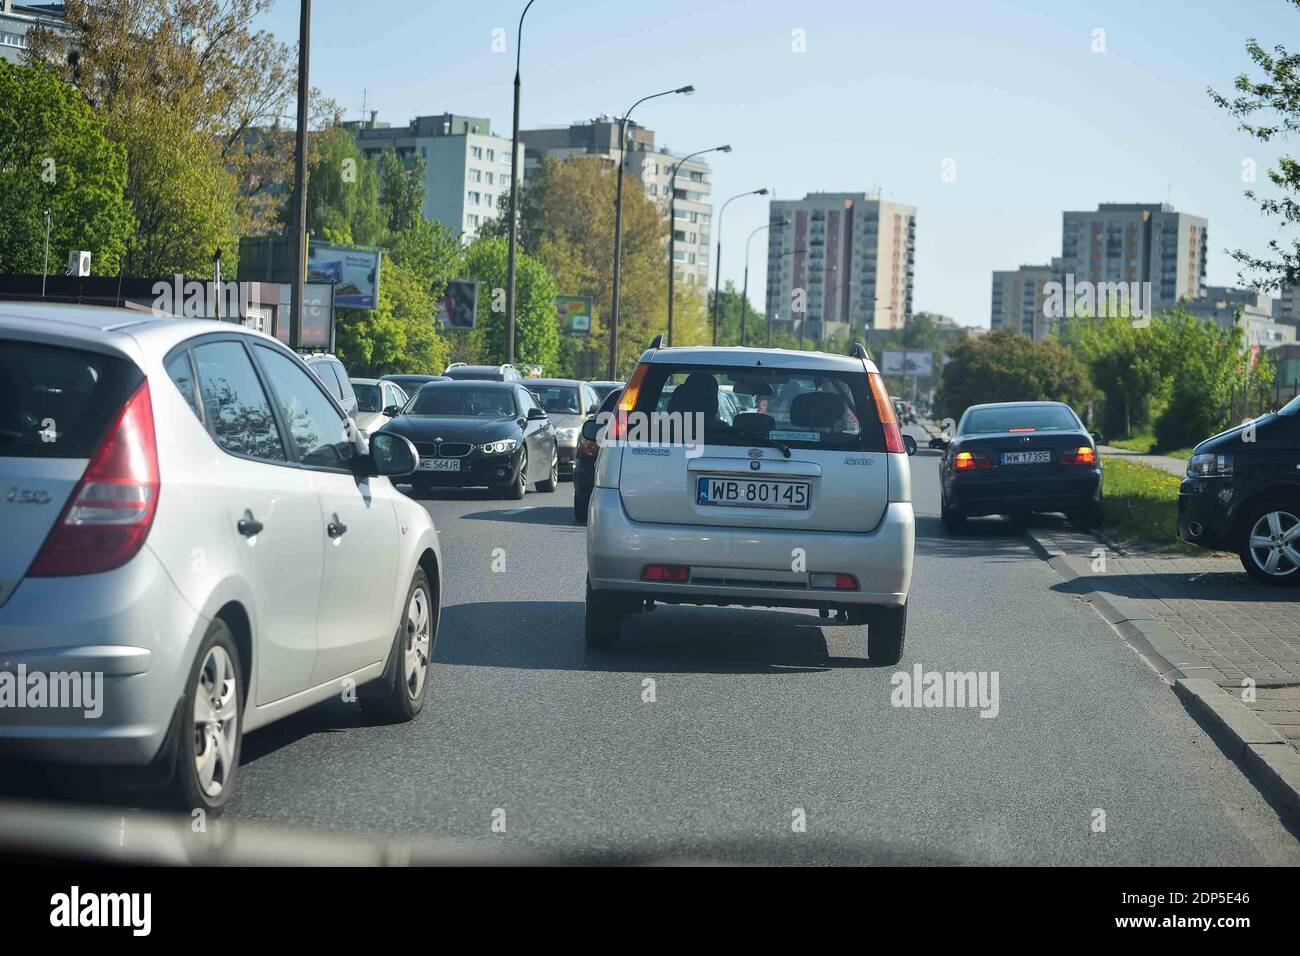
<point x="1275" y="543"/>
<point x="417" y="642"/>
<point x="216" y="721"/>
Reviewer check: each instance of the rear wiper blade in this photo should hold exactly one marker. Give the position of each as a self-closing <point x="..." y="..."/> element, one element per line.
<point x="770" y="442"/>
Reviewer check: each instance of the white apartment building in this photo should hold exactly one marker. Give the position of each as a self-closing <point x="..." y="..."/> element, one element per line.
<point x="1018" y="299"/>
<point x="845" y="259"/>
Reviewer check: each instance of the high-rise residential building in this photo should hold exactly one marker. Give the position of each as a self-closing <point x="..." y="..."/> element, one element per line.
<point x="845" y="259"/>
<point x="650" y="165"/>
<point x="1018" y="299"/>
<point x="1137" y="243"/>
<point x="1248" y="310"/>
<point x="1287" y="309"/>
<point x="16" y="19"/>
<point x="467" y="166"/>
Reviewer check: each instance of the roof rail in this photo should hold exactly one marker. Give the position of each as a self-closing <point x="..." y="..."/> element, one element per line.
<point x="859" y="351"/>
<point x="657" y="342"/>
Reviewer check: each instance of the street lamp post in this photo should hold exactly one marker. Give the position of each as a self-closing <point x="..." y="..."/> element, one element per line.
<point x="744" y="290"/>
<point x="514" y="200"/>
<point x="300" y="179"/>
<point x="618" y="226"/>
<point x="672" y="229"/>
<point x="717" y="276"/>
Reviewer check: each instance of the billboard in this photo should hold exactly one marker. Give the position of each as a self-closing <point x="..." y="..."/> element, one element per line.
<point x="354" y="272"/>
<point x="317" y="315"/>
<point x="574" y="313"/>
<point x="899" y="362"/>
<point x="459" y="304"/>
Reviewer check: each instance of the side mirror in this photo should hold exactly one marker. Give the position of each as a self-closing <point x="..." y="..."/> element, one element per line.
<point x="939" y="443"/>
<point x="391" y="455"/>
<point x="593" y="409"/>
<point x="590" y="429"/>
<point x="909" y="443"/>
<point x="392" y="411"/>
<point x="536" y="414"/>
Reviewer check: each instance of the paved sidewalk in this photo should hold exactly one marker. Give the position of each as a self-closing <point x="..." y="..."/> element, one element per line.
<point x="1199" y="616"/>
<point x="1175" y="466"/>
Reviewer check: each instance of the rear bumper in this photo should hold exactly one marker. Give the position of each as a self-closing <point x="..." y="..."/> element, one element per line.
<point x="750" y="566"/>
<point x="126" y="638"/>
<point x="976" y="495"/>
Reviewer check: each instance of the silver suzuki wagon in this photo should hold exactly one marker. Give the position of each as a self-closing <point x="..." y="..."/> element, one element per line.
<point x="752" y="477"/>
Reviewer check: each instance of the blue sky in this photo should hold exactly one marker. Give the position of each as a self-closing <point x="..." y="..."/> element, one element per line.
<point x="885" y="92"/>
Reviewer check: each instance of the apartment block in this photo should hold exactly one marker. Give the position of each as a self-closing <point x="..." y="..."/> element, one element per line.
<point x="840" y="262"/>
<point x="467" y="166"/>
<point x="1137" y="243"/>
<point x="1018" y="299"/>
<point x="16" y="19"/>
<point x="653" y="167"/>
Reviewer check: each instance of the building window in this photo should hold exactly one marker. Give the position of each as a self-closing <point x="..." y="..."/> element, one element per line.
<point x="505" y="158"/>
<point x="492" y="155"/>
<point x="476" y="152"/>
<point x="474" y="198"/>
<point x="475" y="176"/>
<point x="490" y="179"/>
<point x="487" y="199"/>
<point x="472" y="220"/>
<point x="13" y="39"/>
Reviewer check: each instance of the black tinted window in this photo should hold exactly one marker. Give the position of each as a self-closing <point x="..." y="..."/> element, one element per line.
<point x="235" y="404"/>
<point x="58" y="402"/>
<point x="368" y="398"/>
<point x="317" y="430"/>
<point x="1023" y="418"/>
<point x="468" y="402"/>
<point x="182" y="373"/>
<point x="325" y="372"/>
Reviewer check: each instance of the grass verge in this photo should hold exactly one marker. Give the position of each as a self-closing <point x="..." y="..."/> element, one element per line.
<point x="1142" y="505"/>
<point x="1144" y="443"/>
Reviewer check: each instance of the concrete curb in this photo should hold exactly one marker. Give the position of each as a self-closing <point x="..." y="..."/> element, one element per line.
<point x="1270" y="763"/>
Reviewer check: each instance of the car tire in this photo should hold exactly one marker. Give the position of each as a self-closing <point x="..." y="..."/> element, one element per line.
<point x="886" y="635"/>
<point x="413" y="643"/>
<point x="603" y="619"/>
<point x="953" y="520"/>
<point x="519" y="487"/>
<point x="207" y="752"/>
<point x="549" y="484"/>
<point x="1258" y="526"/>
<point x="581" y="505"/>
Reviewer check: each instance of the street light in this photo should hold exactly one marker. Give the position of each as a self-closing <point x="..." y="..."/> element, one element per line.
<point x="514" y="199"/>
<point x="672" y="228"/>
<point x="717" y="278"/>
<point x="300" y="179"/>
<point x="618" y="224"/>
<point x="744" y="288"/>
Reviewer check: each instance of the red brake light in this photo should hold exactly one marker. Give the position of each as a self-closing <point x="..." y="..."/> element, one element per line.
<point x="1022" y="429"/>
<point x="971" y="460"/>
<point x="885" y="411"/>
<point x="677" y="573"/>
<point x="1083" y="455"/>
<point x="846" y="582"/>
<point x="109" y="513"/>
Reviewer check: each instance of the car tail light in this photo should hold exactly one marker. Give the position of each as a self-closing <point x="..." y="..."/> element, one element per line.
<point x="971" y="460"/>
<point x="1083" y="455"/>
<point x="617" y="426"/>
<point x="1022" y="429"/>
<point x="885" y="410"/>
<point x="110" y="511"/>
<point x="677" y="573"/>
<point x="840" y="582"/>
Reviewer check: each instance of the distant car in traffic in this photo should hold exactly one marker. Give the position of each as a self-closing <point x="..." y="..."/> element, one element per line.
<point x="191" y="522"/>
<point x="479" y="434"/>
<point x="807" y="504"/>
<point x="411" y="383"/>
<point x="1242" y="494"/>
<point x="584" y="469"/>
<point x="568" y="402"/>
<point x="334" y="376"/>
<point x="1013" y="458"/>
<point x="604" y="388"/>
<point x="377" y="401"/>
<point x="461" y="372"/>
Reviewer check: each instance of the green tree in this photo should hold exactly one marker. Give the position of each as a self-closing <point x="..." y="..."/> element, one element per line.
<point x="402" y="191"/>
<point x="54" y="155"/>
<point x="1003" y="367"/>
<point x="1276" y="95"/>
<point x="342" y="192"/>
<point x="537" y="332"/>
<point x="1127" y="366"/>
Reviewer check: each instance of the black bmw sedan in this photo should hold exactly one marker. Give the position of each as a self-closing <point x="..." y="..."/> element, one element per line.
<point x="1012" y="458"/>
<point x="469" y="434"/>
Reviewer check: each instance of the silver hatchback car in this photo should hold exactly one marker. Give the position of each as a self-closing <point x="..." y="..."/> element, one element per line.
<point x="797" y="494"/>
<point x="195" y="543"/>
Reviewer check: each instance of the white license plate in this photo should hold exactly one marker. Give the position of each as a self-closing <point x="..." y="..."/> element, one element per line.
<point x="440" y="464"/>
<point x="747" y="493"/>
<point x="1026" y="457"/>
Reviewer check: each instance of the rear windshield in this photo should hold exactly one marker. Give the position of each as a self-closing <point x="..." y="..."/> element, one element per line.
<point x="1013" y="418"/>
<point x="367" y="397"/>
<point x="802" y="408"/>
<point x="480" y="375"/>
<point x="58" y="402"/>
<point x="463" y="402"/>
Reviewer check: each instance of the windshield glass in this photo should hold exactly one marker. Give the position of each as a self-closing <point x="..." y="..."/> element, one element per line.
<point x="798" y="407"/>
<point x="463" y="402"/>
<point x="1018" y="418"/>
<point x="558" y="399"/>
<point x="1291" y="408"/>
<point x="367" y="397"/>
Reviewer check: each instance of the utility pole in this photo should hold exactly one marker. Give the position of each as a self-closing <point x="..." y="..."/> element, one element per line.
<point x="300" y="179"/>
<point x="514" y="201"/>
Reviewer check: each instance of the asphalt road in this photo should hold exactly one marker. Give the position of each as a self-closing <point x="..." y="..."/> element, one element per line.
<point x="761" y="714"/>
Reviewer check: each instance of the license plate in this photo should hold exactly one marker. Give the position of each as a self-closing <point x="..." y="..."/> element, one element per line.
<point x="440" y="464"/>
<point x="745" y="493"/>
<point x="1026" y="457"/>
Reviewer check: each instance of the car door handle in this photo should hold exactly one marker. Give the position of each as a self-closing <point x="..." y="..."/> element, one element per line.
<point x="336" y="528"/>
<point x="249" y="526"/>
